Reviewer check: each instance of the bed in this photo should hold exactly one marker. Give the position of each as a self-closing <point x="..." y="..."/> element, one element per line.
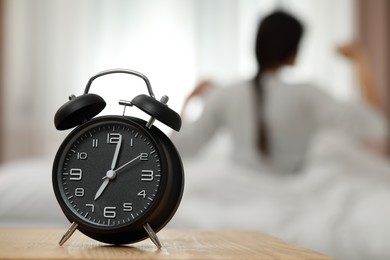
<point x="337" y="205"/>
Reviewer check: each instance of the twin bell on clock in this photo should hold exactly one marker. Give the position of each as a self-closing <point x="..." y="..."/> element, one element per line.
<point x="118" y="179"/>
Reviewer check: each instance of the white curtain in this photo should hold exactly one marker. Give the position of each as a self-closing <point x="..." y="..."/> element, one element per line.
<point x="52" y="47"/>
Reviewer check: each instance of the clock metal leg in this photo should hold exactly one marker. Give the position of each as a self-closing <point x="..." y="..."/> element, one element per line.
<point x="68" y="233"/>
<point x="152" y="235"/>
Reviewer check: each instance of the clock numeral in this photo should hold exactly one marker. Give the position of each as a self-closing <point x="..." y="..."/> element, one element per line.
<point x="92" y="207"/>
<point x="142" y="194"/>
<point x="113" y="138"/>
<point x="109" y="212"/>
<point x="79" y="192"/>
<point x="147" y="175"/>
<point x="127" y="206"/>
<point x="144" y="157"/>
<point x="75" y="174"/>
<point x="82" y="156"/>
<point x="95" y="143"/>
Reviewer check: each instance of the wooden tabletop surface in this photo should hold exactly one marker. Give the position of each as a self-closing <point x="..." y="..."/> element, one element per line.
<point x="177" y="244"/>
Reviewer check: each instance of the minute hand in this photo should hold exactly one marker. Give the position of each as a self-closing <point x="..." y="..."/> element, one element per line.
<point x="118" y="147"/>
<point x="124" y="165"/>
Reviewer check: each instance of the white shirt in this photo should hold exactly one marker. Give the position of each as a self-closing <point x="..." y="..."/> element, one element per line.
<point x="293" y="114"/>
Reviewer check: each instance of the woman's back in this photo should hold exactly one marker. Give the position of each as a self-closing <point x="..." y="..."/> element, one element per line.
<point x="295" y="114"/>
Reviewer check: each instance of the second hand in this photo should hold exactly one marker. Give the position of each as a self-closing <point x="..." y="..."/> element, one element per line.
<point x="124" y="165"/>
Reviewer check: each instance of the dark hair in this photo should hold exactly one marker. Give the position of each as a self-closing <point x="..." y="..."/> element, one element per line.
<point x="277" y="41"/>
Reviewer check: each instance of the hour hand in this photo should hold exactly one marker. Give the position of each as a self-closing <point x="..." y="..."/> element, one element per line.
<point x="102" y="188"/>
<point x="111" y="173"/>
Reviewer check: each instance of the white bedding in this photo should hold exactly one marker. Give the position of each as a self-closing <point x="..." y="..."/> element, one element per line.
<point x="339" y="205"/>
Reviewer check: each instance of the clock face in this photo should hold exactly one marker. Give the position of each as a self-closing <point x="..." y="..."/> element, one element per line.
<point x="109" y="173"/>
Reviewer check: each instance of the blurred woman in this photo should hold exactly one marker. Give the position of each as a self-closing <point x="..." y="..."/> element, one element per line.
<point x="272" y="122"/>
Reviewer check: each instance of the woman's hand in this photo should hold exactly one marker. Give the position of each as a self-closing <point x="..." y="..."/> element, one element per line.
<point x="368" y="87"/>
<point x="352" y="51"/>
<point x="201" y="89"/>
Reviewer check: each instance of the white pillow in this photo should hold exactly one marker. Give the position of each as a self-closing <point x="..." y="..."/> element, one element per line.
<point x="26" y="195"/>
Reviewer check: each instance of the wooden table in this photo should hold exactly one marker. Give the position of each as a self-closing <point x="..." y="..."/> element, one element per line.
<point x="177" y="244"/>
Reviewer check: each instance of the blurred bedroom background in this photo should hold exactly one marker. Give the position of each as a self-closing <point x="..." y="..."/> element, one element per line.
<point x="50" y="48"/>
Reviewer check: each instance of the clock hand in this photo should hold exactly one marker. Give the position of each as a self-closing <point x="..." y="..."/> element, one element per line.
<point x="124" y="165"/>
<point x="111" y="174"/>
<point x="118" y="147"/>
<point x="102" y="187"/>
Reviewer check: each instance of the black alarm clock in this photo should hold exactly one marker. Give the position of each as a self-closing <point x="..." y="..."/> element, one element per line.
<point x="118" y="179"/>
